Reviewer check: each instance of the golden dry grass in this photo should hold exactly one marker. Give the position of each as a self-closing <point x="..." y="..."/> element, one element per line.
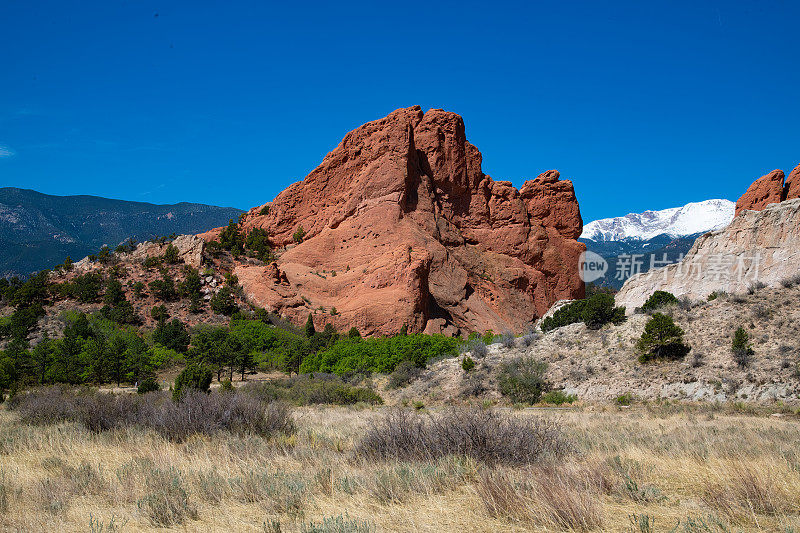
<point x="741" y="472"/>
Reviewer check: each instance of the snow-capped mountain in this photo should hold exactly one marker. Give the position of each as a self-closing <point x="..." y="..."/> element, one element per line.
<point x="691" y="219"/>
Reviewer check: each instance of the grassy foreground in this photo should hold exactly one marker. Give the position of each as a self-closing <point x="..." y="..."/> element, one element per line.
<point x="637" y="470"/>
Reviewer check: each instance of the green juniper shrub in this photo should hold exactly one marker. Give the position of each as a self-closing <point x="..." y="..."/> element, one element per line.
<point x="354" y="333"/>
<point x="117" y="308"/>
<point x="148" y="385"/>
<point x="257" y="245"/>
<point x="86" y="288"/>
<point x="151" y="262"/>
<point x="299" y="235"/>
<point x="105" y="255"/>
<point x="309" y="328"/>
<point x="231" y="239"/>
<point x="570" y="313"/>
<point x="159" y="313"/>
<point x="171" y="255"/>
<point x="468" y="364"/>
<point x="658" y="300"/>
<point x="163" y="289"/>
<point x="125" y="247"/>
<point x="226" y="385"/>
<point x="172" y="334"/>
<point x="522" y="380"/>
<point x="600" y="310"/>
<point x="741" y="348"/>
<point x="595" y="311"/>
<point x="193" y="377"/>
<point x="264" y="211"/>
<point x="661" y="339"/>
<point x="558" y="397"/>
<point x="223" y="303"/>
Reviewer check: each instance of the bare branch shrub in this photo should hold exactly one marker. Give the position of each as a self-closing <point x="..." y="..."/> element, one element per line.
<point x="195" y="412"/>
<point x="487" y="436"/>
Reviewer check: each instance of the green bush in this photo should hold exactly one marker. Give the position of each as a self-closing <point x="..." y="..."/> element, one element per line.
<point x="299" y="235"/>
<point x="624" y="399"/>
<point x="193" y="377"/>
<point x="379" y="354"/>
<point x="223" y="302"/>
<point x="662" y="339"/>
<point x="403" y="374"/>
<point x="522" y="380"/>
<point x="308" y="390"/>
<point x="171" y="255"/>
<point x="595" y="312"/>
<point x="148" y="385"/>
<point x="599" y="310"/>
<point x="658" y="300"/>
<point x="172" y="334"/>
<point x="163" y="289"/>
<point x="86" y="287"/>
<point x="257" y="243"/>
<point x="468" y="364"/>
<point x="557" y="397"/>
<point x="741" y="348"/>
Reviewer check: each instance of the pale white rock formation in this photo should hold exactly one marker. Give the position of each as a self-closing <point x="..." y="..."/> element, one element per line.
<point x="758" y="246"/>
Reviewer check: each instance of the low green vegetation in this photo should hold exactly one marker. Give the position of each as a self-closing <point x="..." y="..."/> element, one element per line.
<point x="741" y="348"/>
<point x="253" y="244"/>
<point x="522" y="380"/>
<point x="379" y="354"/>
<point x="658" y="300"/>
<point x="662" y="339"/>
<point x="312" y="389"/>
<point x="558" y="397"/>
<point x="595" y="311"/>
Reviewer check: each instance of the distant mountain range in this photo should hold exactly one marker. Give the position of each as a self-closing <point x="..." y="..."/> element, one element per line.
<point x="691" y="219"/>
<point x="38" y="230"/>
<point x="638" y="241"/>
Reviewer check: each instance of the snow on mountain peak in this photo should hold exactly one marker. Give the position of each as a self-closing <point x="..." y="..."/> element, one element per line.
<point x="692" y="218"/>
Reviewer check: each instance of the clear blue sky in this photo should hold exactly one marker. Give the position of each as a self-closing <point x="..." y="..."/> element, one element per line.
<point x="644" y="105"/>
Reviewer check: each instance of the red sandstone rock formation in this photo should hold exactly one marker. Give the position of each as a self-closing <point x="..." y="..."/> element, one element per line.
<point x="767" y="189"/>
<point x="403" y="227"/>
<point x="792" y="187"/>
<point x="770" y="189"/>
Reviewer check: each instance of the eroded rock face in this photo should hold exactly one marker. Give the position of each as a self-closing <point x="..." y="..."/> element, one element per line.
<point x="792" y="186"/>
<point x="190" y="250"/>
<point x="767" y="189"/>
<point x="770" y="189"/>
<point x="758" y="246"/>
<point x="403" y="227"/>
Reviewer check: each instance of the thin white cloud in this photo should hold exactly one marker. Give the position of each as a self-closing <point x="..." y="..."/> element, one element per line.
<point x="6" y="152"/>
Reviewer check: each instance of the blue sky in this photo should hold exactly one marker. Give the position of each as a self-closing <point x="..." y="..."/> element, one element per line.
<point x="644" y="105"/>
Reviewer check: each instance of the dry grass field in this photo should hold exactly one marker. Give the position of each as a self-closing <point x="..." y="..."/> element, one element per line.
<point x="642" y="469"/>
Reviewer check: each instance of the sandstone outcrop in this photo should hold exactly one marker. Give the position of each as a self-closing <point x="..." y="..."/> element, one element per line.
<point x="770" y="189"/>
<point x="402" y="227"/>
<point x="767" y="189"/>
<point x="758" y="246"/>
<point x="792" y="187"/>
<point x="190" y="250"/>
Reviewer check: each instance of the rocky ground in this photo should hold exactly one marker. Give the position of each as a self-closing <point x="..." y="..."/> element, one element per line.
<point x="602" y="365"/>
